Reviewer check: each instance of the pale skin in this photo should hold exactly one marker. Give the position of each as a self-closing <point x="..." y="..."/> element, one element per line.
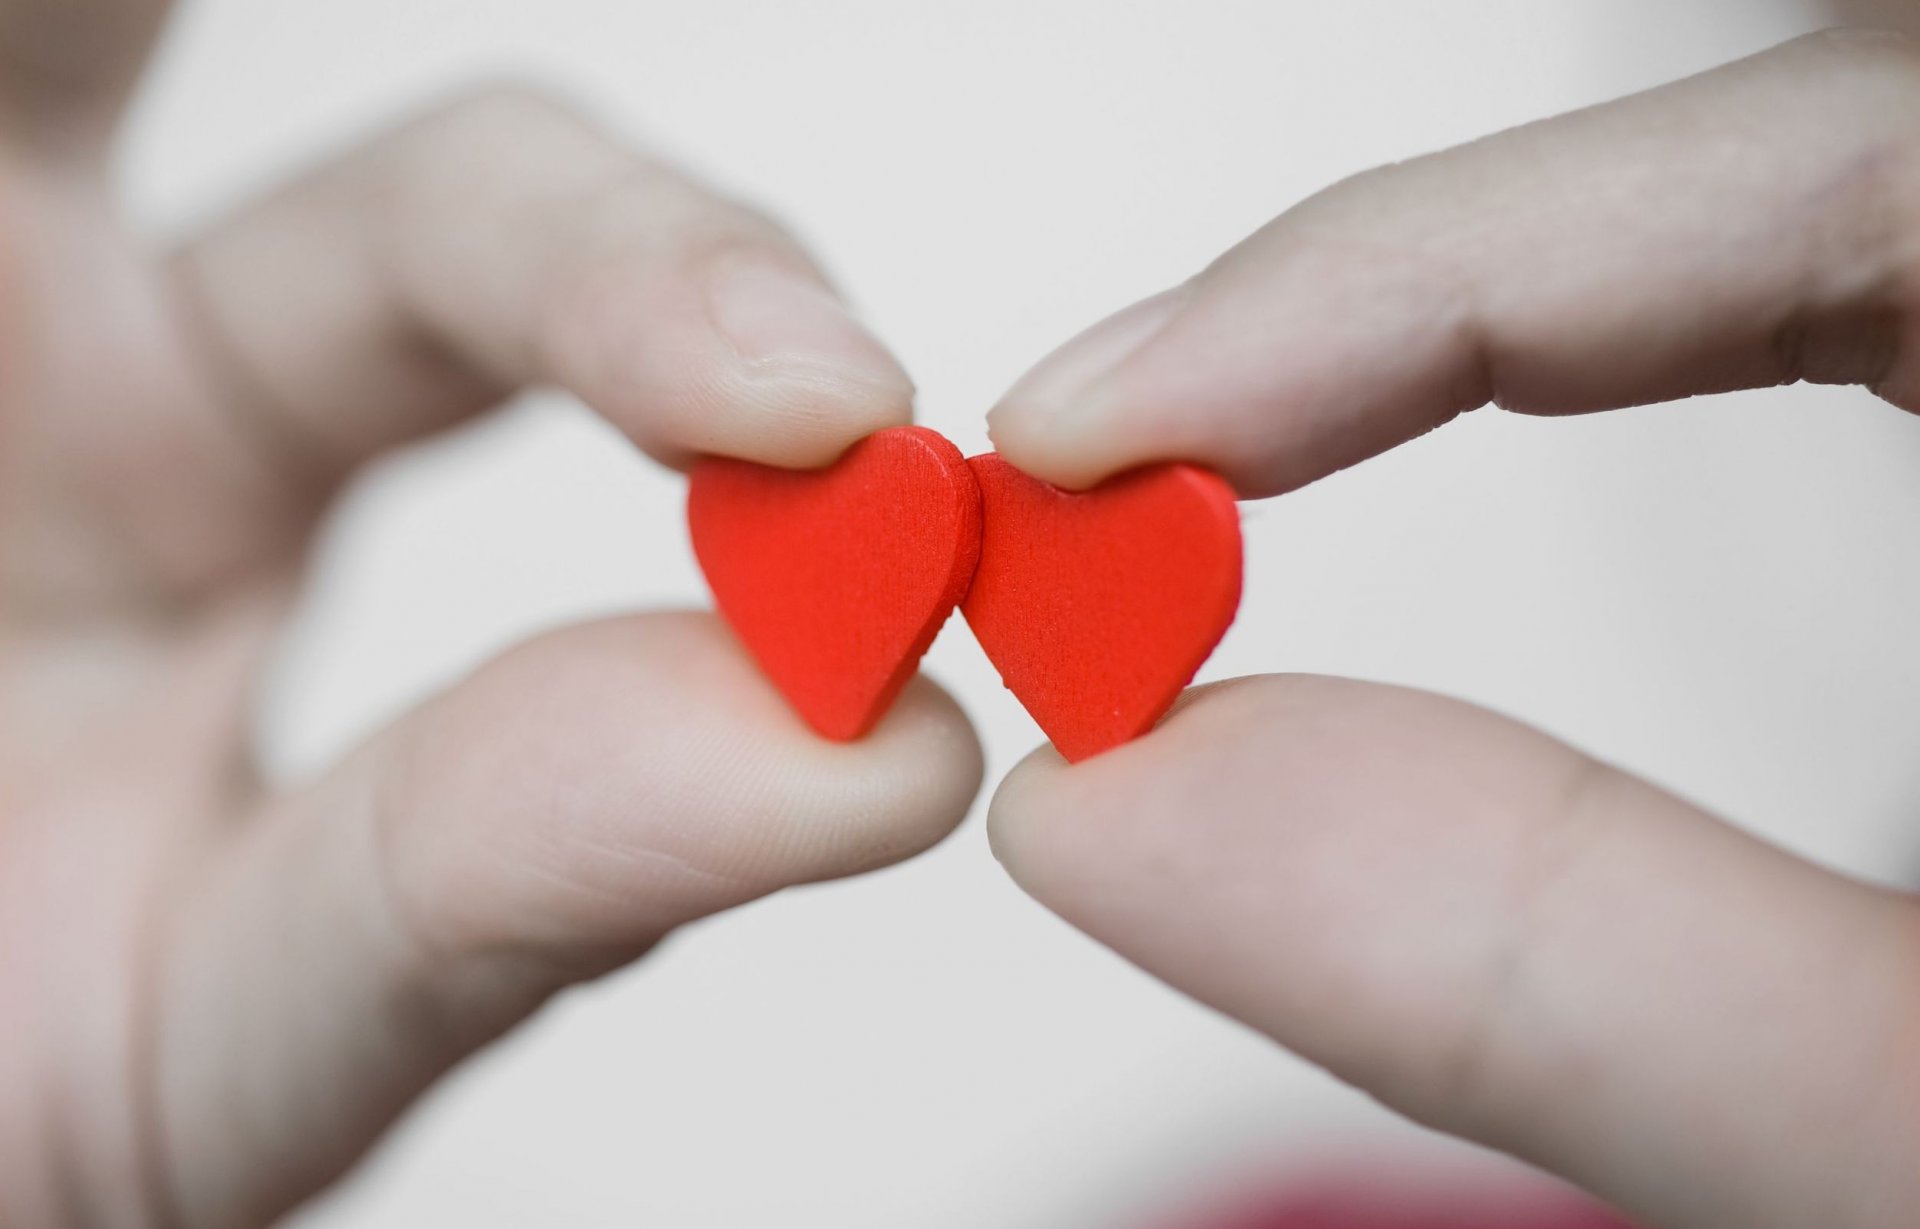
<point x="1488" y="930"/>
<point x="230" y="991"/>
<point x="214" y="996"/>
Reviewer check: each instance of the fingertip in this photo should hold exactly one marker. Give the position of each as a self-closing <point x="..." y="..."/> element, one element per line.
<point x="797" y="807"/>
<point x="739" y="354"/>
<point x="1062" y="421"/>
<point x="921" y="768"/>
<point x="1019" y="803"/>
<point x="605" y="783"/>
<point x="811" y="374"/>
<point x="1053" y="824"/>
<point x="794" y="414"/>
<point x="1059" y="449"/>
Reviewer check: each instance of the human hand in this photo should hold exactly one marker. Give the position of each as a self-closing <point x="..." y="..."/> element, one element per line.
<point x="1489" y="931"/>
<point x="214" y="995"/>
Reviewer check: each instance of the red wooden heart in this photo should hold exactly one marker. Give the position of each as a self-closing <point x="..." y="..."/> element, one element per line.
<point x="837" y="579"/>
<point x="1098" y="608"/>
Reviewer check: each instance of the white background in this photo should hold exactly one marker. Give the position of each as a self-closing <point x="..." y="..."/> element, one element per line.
<point x="1722" y="595"/>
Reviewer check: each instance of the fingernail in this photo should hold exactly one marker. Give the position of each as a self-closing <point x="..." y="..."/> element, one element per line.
<point x="775" y="317"/>
<point x="1061" y="381"/>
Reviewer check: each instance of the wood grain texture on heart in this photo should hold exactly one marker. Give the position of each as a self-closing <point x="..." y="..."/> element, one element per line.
<point x="1099" y="607"/>
<point x="838" y="579"/>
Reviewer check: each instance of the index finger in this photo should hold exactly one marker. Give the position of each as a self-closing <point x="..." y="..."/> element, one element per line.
<point x="1749" y="227"/>
<point x="505" y="239"/>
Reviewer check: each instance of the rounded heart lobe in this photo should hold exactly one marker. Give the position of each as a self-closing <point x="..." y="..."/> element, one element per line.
<point x="1099" y="607"/>
<point x="838" y="579"/>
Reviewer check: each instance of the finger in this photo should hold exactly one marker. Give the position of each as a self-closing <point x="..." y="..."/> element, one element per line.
<point x="1747" y="227"/>
<point x="542" y="823"/>
<point x="1505" y="940"/>
<point x="66" y="66"/>
<point x="503" y="241"/>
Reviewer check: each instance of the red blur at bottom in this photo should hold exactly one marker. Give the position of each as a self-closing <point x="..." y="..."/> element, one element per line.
<point x="1355" y="1204"/>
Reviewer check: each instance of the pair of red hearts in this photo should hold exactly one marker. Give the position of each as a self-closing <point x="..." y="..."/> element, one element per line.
<point x="1097" y="608"/>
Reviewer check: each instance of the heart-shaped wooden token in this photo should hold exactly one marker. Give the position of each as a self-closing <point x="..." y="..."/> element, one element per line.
<point x="837" y="579"/>
<point x="1099" y="607"/>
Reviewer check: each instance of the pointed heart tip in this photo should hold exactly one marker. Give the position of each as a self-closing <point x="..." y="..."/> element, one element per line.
<point x="838" y="579"/>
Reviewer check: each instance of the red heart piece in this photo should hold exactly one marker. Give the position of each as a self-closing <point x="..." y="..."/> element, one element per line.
<point x="1098" y="608"/>
<point x="837" y="579"/>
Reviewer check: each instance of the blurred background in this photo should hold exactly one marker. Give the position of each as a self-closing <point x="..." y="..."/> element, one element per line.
<point x="1720" y="595"/>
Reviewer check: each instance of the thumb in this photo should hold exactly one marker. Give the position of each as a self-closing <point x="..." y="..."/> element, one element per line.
<point x="544" y="822"/>
<point x="1505" y="940"/>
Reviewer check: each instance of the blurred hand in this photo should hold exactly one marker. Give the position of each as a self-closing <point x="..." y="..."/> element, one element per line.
<point x="1488" y="930"/>
<point x="213" y="996"/>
